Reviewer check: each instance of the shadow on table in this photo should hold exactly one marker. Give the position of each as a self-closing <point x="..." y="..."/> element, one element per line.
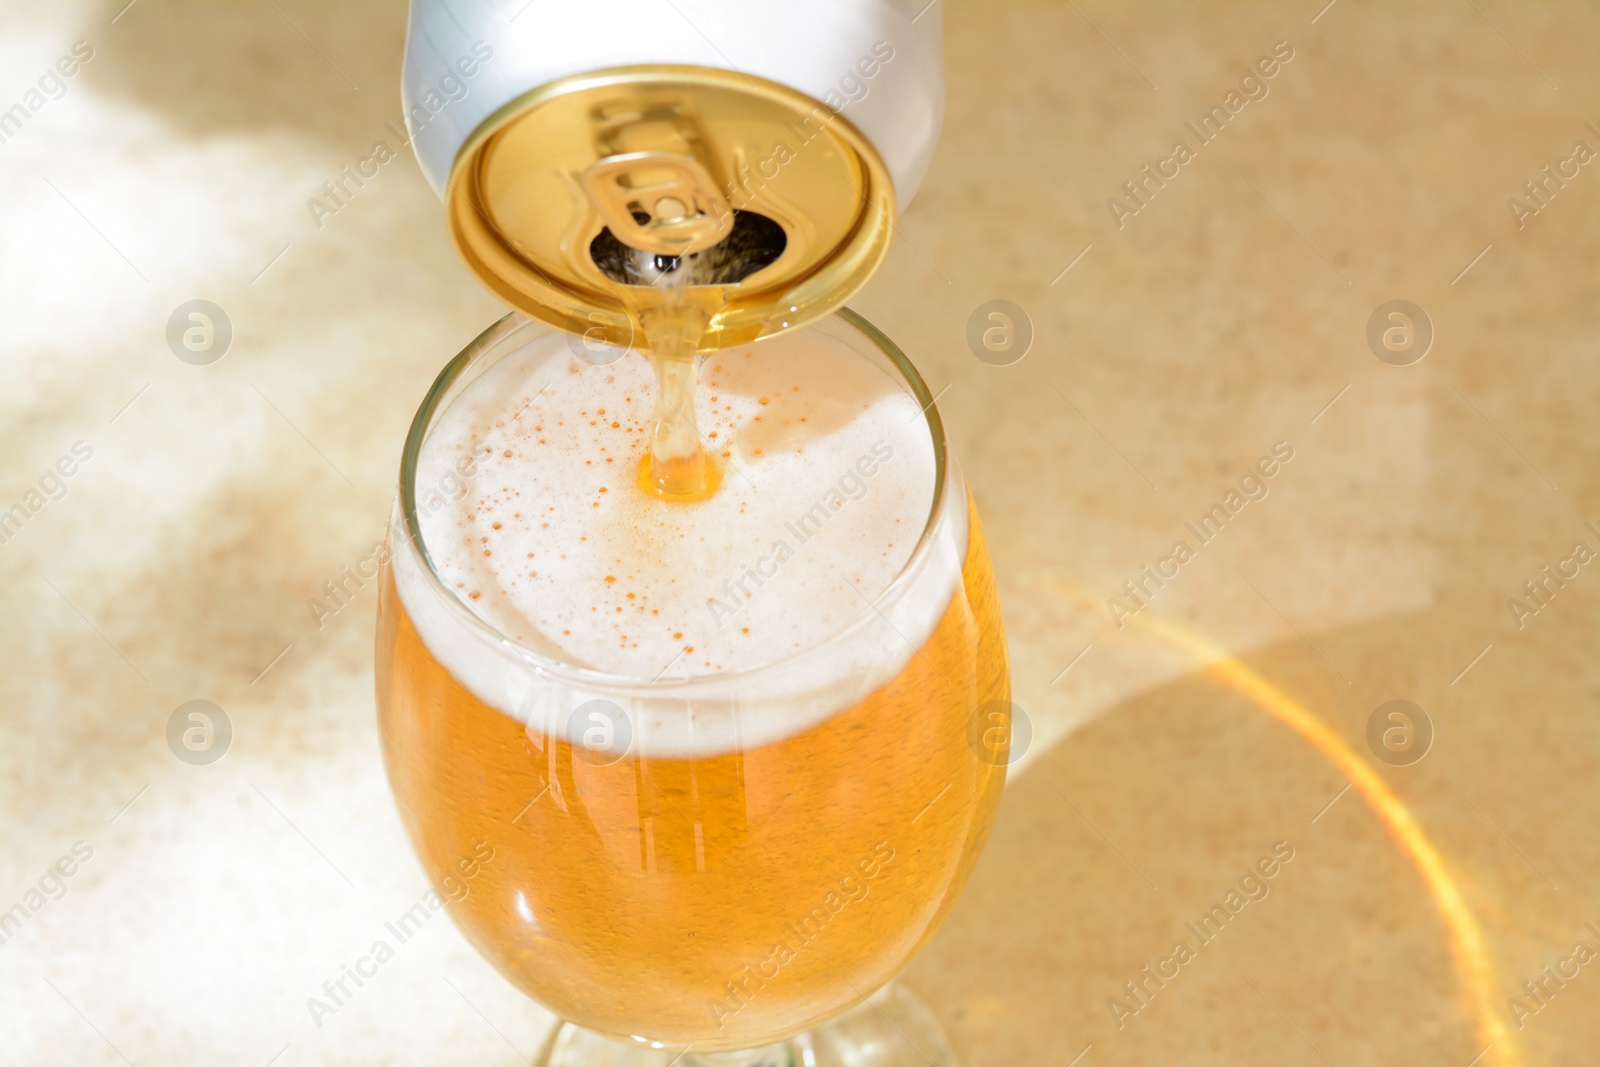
<point x="1141" y="822"/>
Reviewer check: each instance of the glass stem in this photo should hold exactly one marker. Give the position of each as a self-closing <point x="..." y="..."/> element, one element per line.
<point x="779" y="1055"/>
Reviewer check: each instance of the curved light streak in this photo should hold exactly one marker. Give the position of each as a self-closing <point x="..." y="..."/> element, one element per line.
<point x="1467" y="946"/>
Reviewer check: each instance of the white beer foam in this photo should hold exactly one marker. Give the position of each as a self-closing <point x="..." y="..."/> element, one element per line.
<point x="828" y="477"/>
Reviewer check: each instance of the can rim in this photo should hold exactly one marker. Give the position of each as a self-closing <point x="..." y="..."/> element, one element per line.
<point x="534" y="291"/>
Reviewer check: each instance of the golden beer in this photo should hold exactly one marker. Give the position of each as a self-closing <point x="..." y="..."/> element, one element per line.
<point x="765" y="838"/>
<point x="726" y="901"/>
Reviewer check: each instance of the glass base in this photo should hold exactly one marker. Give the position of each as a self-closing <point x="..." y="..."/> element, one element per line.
<point x="891" y="1029"/>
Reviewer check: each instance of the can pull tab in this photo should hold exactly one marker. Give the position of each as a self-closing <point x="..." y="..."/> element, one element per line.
<point x="682" y="209"/>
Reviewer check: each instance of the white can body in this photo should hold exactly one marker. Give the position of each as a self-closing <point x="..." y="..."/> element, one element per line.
<point x="879" y="63"/>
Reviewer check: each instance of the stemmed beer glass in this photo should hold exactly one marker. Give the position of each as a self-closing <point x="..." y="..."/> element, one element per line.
<point x="747" y="901"/>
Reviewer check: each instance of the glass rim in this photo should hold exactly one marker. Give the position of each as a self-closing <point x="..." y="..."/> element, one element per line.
<point x="587" y="677"/>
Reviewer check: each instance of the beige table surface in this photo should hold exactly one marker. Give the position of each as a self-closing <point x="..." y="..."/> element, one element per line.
<point x="1228" y="314"/>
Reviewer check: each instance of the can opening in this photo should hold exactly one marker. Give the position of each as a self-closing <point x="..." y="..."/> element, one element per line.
<point x="755" y="242"/>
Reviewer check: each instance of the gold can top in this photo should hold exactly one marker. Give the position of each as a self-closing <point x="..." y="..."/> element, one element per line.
<point x="574" y="200"/>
